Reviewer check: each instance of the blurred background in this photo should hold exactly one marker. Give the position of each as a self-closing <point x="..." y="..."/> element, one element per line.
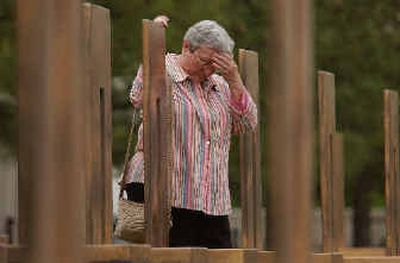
<point x="357" y="40"/>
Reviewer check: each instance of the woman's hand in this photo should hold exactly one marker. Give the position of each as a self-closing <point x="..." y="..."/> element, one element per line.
<point x="162" y="20"/>
<point x="224" y="65"/>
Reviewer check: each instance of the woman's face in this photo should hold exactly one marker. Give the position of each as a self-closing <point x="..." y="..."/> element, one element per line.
<point x="200" y="62"/>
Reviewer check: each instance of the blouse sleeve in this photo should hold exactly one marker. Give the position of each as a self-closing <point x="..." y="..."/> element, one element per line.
<point x="244" y="113"/>
<point x="136" y="92"/>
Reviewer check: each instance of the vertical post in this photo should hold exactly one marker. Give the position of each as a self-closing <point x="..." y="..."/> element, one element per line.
<point x="97" y="43"/>
<point x="51" y="146"/>
<point x="157" y="118"/>
<point x="330" y="205"/>
<point x="290" y="130"/>
<point x="392" y="191"/>
<point x="250" y="166"/>
<point x="338" y="190"/>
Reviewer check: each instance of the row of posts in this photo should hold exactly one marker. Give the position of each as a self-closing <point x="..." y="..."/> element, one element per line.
<point x="332" y="168"/>
<point x="64" y="130"/>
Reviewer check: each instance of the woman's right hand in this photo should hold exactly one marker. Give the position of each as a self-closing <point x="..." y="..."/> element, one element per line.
<point x="163" y="20"/>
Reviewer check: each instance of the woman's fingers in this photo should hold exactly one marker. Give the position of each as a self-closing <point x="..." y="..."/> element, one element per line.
<point x="223" y="63"/>
<point x="223" y="58"/>
<point x="163" y="20"/>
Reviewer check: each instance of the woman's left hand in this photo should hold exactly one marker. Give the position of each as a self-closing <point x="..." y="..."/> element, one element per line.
<point x="162" y="20"/>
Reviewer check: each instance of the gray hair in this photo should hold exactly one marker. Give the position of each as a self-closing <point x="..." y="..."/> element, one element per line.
<point x="209" y="33"/>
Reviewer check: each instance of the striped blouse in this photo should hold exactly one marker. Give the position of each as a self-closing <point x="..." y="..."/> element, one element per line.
<point x="205" y="118"/>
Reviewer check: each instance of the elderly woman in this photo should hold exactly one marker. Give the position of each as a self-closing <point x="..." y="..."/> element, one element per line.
<point x="210" y="104"/>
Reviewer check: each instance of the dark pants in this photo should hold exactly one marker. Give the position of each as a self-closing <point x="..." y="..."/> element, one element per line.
<point x="190" y="227"/>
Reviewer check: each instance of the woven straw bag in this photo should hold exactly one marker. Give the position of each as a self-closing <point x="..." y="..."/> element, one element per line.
<point x="130" y="225"/>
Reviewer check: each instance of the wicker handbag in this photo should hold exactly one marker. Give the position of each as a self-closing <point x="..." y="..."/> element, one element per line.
<point x="130" y="225"/>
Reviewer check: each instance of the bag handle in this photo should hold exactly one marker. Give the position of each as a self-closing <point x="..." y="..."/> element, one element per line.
<point x="122" y="183"/>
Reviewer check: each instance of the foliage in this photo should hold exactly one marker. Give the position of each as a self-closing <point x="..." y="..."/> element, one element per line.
<point x="7" y="74"/>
